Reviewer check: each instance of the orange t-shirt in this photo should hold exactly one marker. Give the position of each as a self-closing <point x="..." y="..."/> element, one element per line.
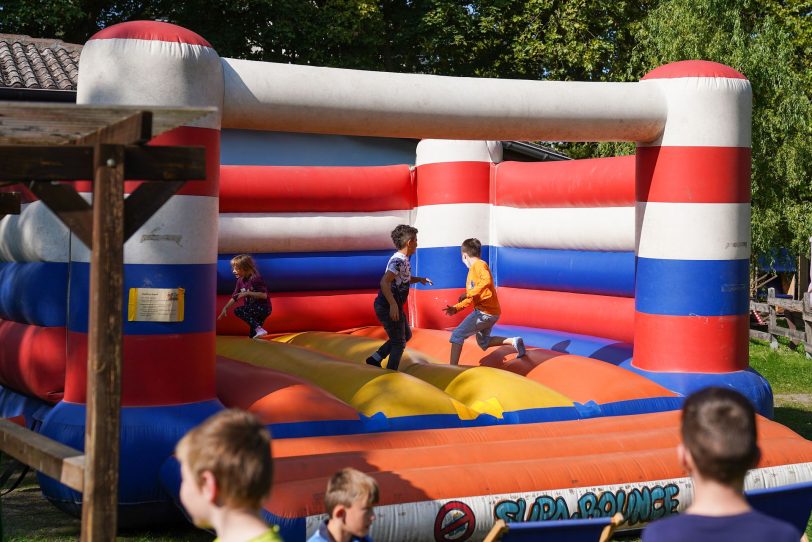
<point x="480" y="290"/>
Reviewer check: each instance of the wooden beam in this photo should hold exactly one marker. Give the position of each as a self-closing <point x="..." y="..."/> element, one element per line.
<point x="52" y="458"/>
<point x="761" y="335"/>
<point x="760" y="307"/>
<point x="164" y="163"/>
<point x="105" y="351"/>
<point x="135" y="128"/>
<point x="62" y="124"/>
<point x="69" y="206"/>
<point x="795" y="335"/>
<point x="10" y="203"/>
<point x="45" y="163"/>
<point x="144" y="202"/>
<point x="68" y="163"/>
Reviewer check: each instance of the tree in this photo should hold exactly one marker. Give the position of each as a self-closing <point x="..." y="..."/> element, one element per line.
<point x="749" y="36"/>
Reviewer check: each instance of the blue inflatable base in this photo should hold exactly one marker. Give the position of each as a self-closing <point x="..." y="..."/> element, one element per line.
<point x="607" y="350"/>
<point x="148" y="438"/>
<point x="749" y="383"/>
<point x="15" y="404"/>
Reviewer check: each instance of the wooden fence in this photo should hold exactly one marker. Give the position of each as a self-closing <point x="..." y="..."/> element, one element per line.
<point x="797" y="314"/>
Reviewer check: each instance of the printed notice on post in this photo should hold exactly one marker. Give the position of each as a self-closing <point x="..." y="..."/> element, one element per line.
<point x="155" y="305"/>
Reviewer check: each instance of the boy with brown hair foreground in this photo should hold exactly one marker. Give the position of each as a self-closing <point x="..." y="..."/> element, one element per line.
<point x="718" y="447"/>
<point x="349" y="499"/>
<point x="226" y="473"/>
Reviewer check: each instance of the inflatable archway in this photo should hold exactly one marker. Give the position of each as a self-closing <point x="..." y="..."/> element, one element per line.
<point x="627" y="275"/>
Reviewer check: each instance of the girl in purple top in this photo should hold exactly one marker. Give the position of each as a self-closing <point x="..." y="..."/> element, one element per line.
<point x="250" y="286"/>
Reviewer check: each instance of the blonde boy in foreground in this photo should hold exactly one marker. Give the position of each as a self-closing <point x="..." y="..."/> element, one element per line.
<point x="350" y="496"/>
<point x="226" y="474"/>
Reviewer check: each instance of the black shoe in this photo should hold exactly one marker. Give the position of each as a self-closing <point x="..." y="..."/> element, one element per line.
<point x="374" y="362"/>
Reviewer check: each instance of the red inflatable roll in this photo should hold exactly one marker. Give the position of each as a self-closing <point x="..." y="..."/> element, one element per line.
<point x="692" y="344"/>
<point x="453" y="182"/>
<point x="597" y="182"/>
<point x="680" y="174"/>
<point x="32" y="359"/>
<point x="603" y="316"/>
<point x="276" y="397"/>
<point x="308" y="311"/>
<point x="273" y="189"/>
<point x="158" y="369"/>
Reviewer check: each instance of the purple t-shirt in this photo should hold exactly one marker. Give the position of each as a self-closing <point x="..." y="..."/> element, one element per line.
<point x="254" y="283"/>
<point x="751" y="526"/>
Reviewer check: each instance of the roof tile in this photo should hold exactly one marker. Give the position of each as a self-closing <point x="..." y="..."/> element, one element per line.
<point x="31" y="63"/>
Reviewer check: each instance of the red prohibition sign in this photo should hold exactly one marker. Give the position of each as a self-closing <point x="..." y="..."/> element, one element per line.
<point x="455" y="522"/>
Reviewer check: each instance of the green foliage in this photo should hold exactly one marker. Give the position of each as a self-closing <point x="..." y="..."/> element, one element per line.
<point x="761" y="40"/>
<point x="770" y="41"/>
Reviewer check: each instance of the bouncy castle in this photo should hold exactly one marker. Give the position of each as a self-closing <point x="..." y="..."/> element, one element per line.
<point x="627" y="278"/>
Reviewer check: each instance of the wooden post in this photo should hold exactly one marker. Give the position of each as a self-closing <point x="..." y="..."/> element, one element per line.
<point x="802" y="284"/>
<point x="772" y="323"/>
<point x="807" y="316"/>
<point x="105" y="352"/>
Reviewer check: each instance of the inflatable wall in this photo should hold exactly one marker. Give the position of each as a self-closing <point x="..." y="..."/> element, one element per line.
<point x="624" y="275"/>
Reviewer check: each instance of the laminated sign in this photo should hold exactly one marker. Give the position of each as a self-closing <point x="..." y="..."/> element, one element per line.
<point x="155" y="305"/>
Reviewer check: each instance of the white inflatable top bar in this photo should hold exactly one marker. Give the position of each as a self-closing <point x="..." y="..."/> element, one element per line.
<point x="285" y="97"/>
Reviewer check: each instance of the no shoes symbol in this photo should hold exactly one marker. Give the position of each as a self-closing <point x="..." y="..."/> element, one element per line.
<point x="455" y="522"/>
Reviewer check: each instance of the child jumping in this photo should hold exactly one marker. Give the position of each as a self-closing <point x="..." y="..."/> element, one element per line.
<point x="250" y="286"/>
<point x="479" y="290"/>
<point x="394" y="289"/>
<point x="718" y="447"/>
<point x="350" y="496"/>
<point x="226" y="472"/>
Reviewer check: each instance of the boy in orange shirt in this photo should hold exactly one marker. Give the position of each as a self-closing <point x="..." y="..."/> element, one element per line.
<point x="481" y="291"/>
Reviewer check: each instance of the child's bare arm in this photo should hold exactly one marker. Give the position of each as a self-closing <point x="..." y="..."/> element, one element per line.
<point x="226" y="307"/>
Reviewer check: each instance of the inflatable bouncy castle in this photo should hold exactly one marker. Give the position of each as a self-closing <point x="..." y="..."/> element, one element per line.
<point x="627" y="277"/>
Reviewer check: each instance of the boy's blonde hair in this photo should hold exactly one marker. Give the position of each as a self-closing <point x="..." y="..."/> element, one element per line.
<point x="245" y="262"/>
<point x="236" y="448"/>
<point x="346" y="486"/>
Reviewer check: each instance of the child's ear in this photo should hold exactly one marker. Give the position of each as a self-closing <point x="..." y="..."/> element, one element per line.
<point x="340" y="511"/>
<point x="684" y="458"/>
<point x="208" y="485"/>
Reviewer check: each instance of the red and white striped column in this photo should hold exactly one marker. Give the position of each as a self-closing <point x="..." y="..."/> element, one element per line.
<point x="693" y="223"/>
<point x="453" y="187"/>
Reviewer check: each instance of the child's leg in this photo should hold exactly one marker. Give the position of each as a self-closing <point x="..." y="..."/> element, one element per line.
<point x="243" y="314"/>
<point x="382" y="312"/>
<point x="456" y="350"/>
<point x="253" y="315"/>
<point x="515" y="342"/>
<point x="400" y="334"/>
<point x="466" y="328"/>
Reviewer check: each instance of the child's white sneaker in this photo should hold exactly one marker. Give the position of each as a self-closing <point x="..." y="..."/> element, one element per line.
<point x="259" y="332"/>
<point x="518" y="344"/>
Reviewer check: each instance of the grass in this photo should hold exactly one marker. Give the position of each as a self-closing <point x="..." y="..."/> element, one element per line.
<point x="28" y="517"/>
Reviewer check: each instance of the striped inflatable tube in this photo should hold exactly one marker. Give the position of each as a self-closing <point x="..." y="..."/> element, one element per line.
<point x="693" y="232"/>
<point x="168" y="372"/>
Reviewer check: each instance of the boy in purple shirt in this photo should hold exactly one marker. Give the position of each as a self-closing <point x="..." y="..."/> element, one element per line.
<point x="250" y="287"/>
<point x="718" y="448"/>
